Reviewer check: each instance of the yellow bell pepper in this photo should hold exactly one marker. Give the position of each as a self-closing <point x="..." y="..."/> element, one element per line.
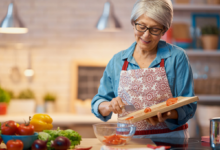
<point x="41" y="122"/>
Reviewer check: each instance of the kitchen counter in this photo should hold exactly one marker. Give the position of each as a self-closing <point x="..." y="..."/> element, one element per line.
<point x="176" y="144"/>
<point x="59" y="119"/>
<point x="96" y="144"/>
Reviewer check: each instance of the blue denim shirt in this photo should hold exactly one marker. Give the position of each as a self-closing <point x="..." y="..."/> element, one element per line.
<point x="178" y="71"/>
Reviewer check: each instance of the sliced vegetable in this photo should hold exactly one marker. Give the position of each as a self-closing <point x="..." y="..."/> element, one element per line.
<point x="9" y="127"/>
<point x="129" y="118"/>
<point x="146" y="110"/>
<point x="61" y="143"/>
<point x="14" y="145"/>
<point x="155" y="146"/>
<point x="171" y="101"/>
<point x="39" y="145"/>
<point x="114" y="139"/>
<point x="41" y="122"/>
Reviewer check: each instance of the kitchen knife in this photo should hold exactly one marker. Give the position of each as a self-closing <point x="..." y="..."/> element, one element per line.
<point x="129" y="108"/>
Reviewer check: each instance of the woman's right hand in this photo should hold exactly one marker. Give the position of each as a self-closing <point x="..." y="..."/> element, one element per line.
<point x="116" y="105"/>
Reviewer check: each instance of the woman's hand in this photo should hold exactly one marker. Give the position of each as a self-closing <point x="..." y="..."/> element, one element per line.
<point x="115" y="105"/>
<point x="162" y="117"/>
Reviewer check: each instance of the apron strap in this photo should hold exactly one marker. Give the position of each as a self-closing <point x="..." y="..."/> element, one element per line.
<point x="162" y="63"/>
<point x="125" y="66"/>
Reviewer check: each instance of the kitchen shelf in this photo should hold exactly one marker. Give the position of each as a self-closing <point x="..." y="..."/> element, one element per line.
<point x="195" y="52"/>
<point x="196" y="7"/>
<point x="209" y="98"/>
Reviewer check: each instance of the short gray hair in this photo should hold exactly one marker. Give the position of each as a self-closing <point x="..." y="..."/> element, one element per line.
<point x="159" y="10"/>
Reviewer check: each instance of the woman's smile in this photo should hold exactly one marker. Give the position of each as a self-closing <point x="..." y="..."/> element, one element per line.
<point x="146" y="41"/>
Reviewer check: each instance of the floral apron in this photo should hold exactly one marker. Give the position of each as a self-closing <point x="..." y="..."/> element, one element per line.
<point x="144" y="88"/>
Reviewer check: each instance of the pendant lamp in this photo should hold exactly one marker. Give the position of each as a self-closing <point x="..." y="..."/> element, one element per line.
<point x="12" y="24"/>
<point x="108" y="22"/>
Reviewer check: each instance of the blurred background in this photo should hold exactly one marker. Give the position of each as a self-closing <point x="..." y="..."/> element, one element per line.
<point x="54" y="63"/>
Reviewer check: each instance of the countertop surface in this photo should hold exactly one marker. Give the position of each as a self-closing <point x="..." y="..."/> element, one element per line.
<point x="139" y="144"/>
<point x="97" y="145"/>
<point x="176" y="144"/>
<point x="59" y="118"/>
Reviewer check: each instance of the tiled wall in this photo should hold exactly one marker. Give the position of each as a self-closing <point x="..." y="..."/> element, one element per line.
<point x="60" y="31"/>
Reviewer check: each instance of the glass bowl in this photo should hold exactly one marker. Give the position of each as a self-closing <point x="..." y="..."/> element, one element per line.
<point x="27" y="140"/>
<point x="114" y="133"/>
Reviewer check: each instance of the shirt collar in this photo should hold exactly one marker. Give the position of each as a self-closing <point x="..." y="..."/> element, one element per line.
<point x="163" y="51"/>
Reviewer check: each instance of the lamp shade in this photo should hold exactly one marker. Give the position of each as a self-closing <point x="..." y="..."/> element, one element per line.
<point x="108" y="22"/>
<point x="12" y="24"/>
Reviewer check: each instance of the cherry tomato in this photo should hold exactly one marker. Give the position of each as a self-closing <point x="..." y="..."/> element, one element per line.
<point x="171" y="101"/>
<point x="146" y="110"/>
<point x="14" y="145"/>
<point x="26" y="129"/>
<point x="9" y="127"/>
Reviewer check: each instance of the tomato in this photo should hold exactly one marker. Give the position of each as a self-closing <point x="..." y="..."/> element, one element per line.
<point x="171" y="101"/>
<point x="157" y="147"/>
<point x="26" y="129"/>
<point x="0" y="140"/>
<point x="129" y="118"/>
<point x="15" y="145"/>
<point x="9" y="127"/>
<point x="146" y="110"/>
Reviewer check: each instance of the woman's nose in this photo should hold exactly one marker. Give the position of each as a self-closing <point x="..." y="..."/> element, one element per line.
<point x="147" y="33"/>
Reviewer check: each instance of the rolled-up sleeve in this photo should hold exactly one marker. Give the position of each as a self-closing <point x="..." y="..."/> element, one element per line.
<point x="183" y="87"/>
<point x="105" y="92"/>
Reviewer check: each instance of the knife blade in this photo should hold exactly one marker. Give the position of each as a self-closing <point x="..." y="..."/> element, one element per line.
<point x="129" y="108"/>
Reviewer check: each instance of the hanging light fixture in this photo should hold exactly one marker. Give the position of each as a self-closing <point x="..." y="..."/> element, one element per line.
<point x="108" y="22"/>
<point x="12" y="24"/>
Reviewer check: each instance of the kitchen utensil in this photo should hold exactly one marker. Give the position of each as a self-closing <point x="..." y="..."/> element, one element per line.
<point x="161" y="107"/>
<point x="114" y="133"/>
<point x="129" y="108"/>
<point x="215" y="133"/>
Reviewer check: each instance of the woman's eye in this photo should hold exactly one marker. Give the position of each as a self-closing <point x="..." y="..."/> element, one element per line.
<point x="155" y="29"/>
<point x="142" y="27"/>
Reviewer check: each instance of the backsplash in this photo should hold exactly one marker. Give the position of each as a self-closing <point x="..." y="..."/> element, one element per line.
<point x="59" y="33"/>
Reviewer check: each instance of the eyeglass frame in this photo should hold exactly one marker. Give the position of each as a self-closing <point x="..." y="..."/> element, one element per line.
<point x="147" y="29"/>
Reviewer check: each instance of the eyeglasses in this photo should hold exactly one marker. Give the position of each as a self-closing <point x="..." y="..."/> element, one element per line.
<point x="143" y="28"/>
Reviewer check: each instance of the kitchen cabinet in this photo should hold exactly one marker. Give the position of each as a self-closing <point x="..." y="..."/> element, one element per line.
<point x="183" y="14"/>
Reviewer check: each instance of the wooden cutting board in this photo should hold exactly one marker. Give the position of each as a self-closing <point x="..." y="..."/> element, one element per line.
<point x="161" y="107"/>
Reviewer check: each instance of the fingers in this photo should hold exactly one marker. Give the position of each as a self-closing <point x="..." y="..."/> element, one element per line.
<point x="116" y="105"/>
<point x="164" y="116"/>
<point x="152" y="120"/>
<point x="159" y="118"/>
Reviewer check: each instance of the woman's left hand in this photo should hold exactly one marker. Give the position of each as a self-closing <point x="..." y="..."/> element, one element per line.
<point x="162" y="117"/>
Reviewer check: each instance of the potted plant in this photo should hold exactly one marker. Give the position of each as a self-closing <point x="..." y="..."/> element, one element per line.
<point x="209" y="37"/>
<point x="23" y="103"/>
<point x="49" y="101"/>
<point x="4" y="101"/>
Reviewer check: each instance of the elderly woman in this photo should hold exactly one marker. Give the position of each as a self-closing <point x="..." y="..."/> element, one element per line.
<point x="149" y="72"/>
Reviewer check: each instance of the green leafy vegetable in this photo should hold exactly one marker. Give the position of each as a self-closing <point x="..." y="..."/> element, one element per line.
<point x="51" y="135"/>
